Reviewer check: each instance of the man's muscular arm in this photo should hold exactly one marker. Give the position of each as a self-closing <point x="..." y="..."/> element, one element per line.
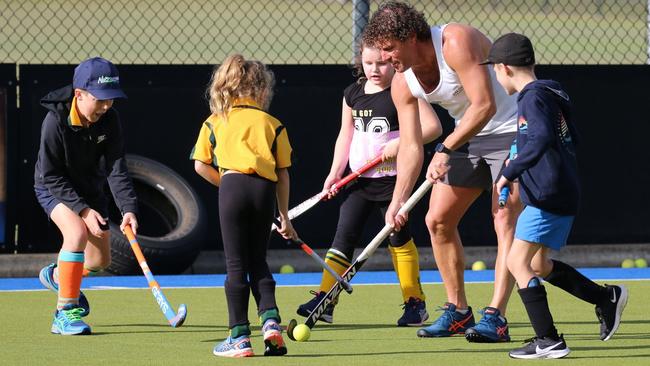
<point x="410" y="154"/>
<point x="464" y="48"/>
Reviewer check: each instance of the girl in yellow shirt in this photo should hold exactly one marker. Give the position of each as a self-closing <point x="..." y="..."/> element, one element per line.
<point x="246" y="152"/>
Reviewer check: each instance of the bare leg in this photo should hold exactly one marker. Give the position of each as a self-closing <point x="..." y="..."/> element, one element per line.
<point x="72" y="227"/>
<point x="505" y="220"/>
<point x="447" y="206"/>
<point x="519" y="260"/>
<point x="98" y="252"/>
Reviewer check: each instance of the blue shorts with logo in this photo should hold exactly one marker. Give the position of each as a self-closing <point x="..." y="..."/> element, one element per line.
<point x="542" y="227"/>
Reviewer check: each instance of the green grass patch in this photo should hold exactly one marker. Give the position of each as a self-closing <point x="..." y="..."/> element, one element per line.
<point x="129" y="329"/>
<point x="300" y="31"/>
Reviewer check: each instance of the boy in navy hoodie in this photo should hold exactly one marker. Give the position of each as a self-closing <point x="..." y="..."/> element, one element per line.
<point x="81" y="149"/>
<point x="548" y="179"/>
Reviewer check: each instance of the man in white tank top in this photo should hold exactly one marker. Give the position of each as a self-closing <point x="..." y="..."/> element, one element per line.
<point x="441" y="65"/>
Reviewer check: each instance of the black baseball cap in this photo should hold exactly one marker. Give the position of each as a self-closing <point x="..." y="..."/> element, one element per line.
<point x="512" y="49"/>
<point x="99" y="77"/>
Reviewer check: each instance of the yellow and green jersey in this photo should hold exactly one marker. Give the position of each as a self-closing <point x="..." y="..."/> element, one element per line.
<point x="248" y="140"/>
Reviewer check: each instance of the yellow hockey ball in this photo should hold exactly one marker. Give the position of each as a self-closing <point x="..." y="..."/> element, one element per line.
<point x="301" y="332"/>
<point x="287" y="268"/>
<point x="628" y="263"/>
<point x="478" y="266"/>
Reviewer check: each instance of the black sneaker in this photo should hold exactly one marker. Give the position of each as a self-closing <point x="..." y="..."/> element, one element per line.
<point x="541" y="348"/>
<point x="415" y="313"/>
<point x="609" y="312"/>
<point x="306" y="308"/>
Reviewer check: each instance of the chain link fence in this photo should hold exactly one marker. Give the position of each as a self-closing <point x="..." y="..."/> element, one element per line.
<point x="301" y="31"/>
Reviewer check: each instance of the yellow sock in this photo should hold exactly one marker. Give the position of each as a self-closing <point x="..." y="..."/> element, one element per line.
<point x="406" y="262"/>
<point x="339" y="263"/>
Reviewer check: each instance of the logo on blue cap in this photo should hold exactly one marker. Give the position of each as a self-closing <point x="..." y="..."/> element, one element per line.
<point x="99" y="77"/>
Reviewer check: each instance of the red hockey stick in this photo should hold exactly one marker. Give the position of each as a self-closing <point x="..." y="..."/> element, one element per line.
<point x="311" y="202"/>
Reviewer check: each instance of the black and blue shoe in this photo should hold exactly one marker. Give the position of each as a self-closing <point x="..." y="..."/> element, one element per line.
<point x="449" y="323"/>
<point x="306" y="308"/>
<point x="415" y="313"/>
<point x="491" y="328"/>
<point x="609" y="312"/>
<point x="46" y="276"/>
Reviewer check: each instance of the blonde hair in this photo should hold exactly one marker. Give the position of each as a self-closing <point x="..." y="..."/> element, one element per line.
<point x="239" y="78"/>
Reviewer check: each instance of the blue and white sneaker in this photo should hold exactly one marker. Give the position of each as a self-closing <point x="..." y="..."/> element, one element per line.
<point x="491" y="328"/>
<point x="234" y="347"/>
<point x="273" y="341"/>
<point x="46" y="276"/>
<point x="449" y="323"/>
<point x="67" y="321"/>
<point x="415" y="313"/>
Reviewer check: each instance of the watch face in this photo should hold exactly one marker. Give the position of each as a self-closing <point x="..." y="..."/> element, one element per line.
<point x="440" y="147"/>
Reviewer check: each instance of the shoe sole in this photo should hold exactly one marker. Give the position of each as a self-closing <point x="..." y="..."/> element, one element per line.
<point x="274" y="344"/>
<point x="429" y="335"/>
<point x="622" y="302"/>
<point x="476" y="337"/>
<point x="45" y="282"/>
<point x="55" y="330"/>
<point x="424" y="319"/>
<point x="235" y="354"/>
<point x="542" y="356"/>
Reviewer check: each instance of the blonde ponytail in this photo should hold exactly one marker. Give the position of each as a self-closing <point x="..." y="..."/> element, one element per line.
<point x="238" y="78"/>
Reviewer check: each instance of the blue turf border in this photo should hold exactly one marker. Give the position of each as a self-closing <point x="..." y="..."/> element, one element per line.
<point x="301" y="279"/>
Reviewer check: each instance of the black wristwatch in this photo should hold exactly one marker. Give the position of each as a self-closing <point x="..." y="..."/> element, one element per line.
<point x="442" y="148"/>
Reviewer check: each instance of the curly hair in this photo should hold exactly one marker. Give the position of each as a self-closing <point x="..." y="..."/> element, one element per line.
<point x="239" y="78"/>
<point x="396" y="20"/>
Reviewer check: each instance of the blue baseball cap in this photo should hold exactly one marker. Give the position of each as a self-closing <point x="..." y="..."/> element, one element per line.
<point x="99" y="77"/>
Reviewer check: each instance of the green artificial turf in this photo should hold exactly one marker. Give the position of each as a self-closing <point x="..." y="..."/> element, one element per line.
<point x="129" y="329"/>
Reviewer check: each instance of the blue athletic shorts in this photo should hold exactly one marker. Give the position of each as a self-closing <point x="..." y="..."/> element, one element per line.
<point x="48" y="202"/>
<point x="541" y="227"/>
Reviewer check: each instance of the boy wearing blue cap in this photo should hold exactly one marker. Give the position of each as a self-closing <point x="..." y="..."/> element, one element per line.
<point x="81" y="148"/>
<point x="546" y="168"/>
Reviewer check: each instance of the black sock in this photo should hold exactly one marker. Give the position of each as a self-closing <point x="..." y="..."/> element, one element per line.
<point x="570" y="280"/>
<point x="536" y="304"/>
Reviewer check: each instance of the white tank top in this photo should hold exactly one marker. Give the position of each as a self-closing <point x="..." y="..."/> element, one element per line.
<point x="450" y="94"/>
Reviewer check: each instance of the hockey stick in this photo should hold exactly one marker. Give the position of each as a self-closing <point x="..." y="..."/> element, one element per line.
<point x="174" y="319"/>
<point x="358" y="263"/>
<point x="317" y="258"/>
<point x="313" y="201"/>
<point x="503" y="196"/>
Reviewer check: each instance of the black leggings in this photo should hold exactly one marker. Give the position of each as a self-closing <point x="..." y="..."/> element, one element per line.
<point x="353" y="214"/>
<point x="246" y="208"/>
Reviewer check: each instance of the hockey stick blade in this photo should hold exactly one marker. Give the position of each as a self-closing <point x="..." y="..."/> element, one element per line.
<point x="362" y="258"/>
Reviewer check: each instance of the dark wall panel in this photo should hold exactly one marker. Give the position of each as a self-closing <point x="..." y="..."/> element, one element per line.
<point x="166" y="107"/>
<point x="8" y="146"/>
